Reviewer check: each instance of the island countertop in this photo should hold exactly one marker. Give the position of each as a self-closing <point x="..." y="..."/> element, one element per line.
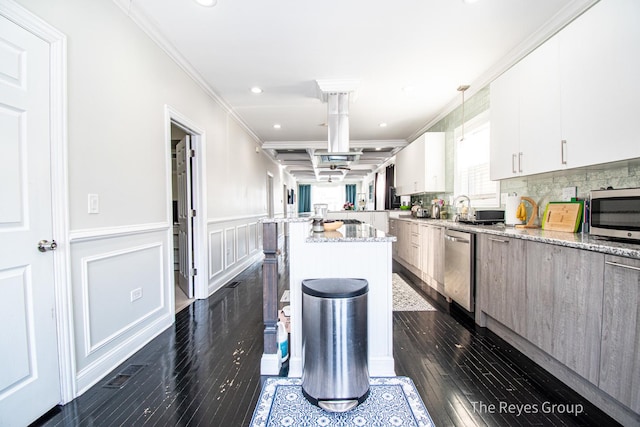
<point x="351" y="233"/>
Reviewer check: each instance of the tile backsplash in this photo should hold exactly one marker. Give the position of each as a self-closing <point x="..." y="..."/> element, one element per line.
<point x="548" y="187"/>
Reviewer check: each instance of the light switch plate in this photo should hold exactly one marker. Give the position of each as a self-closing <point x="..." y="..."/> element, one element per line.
<point x="94" y="203"/>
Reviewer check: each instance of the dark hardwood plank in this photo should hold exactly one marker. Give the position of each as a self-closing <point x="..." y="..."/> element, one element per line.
<point x="204" y="371"/>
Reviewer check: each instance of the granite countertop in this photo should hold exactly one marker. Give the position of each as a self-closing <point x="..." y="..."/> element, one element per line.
<point x="351" y="233"/>
<point x="572" y="240"/>
<point x="298" y="217"/>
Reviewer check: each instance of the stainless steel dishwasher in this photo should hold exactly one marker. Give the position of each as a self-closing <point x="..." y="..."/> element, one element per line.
<point x="459" y="277"/>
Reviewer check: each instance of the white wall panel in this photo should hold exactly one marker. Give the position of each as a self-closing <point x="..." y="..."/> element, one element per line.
<point x="105" y="271"/>
<point x="233" y="246"/>
<point x="241" y="239"/>
<point x="109" y="280"/>
<point x="253" y="237"/>
<point x="229" y="247"/>
<point x="216" y="253"/>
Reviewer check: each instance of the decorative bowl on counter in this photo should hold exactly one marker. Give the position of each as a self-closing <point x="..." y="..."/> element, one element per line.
<point x="405" y="207"/>
<point x="330" y="225"/>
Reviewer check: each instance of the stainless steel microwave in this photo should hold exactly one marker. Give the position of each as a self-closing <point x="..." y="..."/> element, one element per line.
<point x="615" y="213"/>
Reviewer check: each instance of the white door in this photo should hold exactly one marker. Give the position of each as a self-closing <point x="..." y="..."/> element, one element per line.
<point x="29" y="374"/>
<point x="185" y="217"/>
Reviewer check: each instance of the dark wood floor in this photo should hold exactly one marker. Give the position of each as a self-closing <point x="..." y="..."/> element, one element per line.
<point x="205" y="371"/>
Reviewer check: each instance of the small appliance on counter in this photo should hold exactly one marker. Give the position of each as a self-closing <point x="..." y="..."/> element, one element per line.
<point x="511" y="209"/>
<point x="318" y="225"/>
<point x="615" y="213"/>
<point x="485" y="217"/>
<point x="320" y="212"/>
<point x="417" y="211"/>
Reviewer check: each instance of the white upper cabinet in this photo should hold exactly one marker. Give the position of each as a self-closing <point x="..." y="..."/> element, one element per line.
<point x="600" y="69"/>
<point x="505" y="128"/>
<point x="540" y="136"/>
<point x="570" y="103"/>
<point x="420" y="165"/>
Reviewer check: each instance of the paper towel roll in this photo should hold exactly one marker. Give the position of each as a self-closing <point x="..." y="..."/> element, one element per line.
<point x="510" y="210"/>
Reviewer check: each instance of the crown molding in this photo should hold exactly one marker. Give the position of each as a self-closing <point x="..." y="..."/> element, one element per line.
<point x="550" y="28"/>
<point x="149" y="28"/>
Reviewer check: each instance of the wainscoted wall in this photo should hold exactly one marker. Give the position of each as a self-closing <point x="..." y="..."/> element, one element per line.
<point x="122" y="294"/>
<point x="233" y="245"/>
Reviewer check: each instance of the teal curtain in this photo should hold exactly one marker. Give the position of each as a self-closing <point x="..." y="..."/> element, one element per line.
<point x="351" y="193"/>
<point x="304" y="198"/>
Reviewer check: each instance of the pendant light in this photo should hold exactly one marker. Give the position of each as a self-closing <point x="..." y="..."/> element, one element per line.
<point x="462" y="88"/>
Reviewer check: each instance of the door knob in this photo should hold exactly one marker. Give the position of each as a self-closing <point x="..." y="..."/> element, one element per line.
<point x="45" y="245"/>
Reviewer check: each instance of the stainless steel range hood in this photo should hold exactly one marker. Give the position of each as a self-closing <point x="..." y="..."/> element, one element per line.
<point x="336" y="94"/>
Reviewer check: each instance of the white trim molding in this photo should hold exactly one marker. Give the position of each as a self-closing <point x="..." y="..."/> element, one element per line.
<point x="560" y="20"/>
<point x="59" y="185"/>
<point x="216" y="251"/>
<point x="85" y="263"/>
<point x="130" y="9"/>
<point x="236" y="218"/>
<point x="198" y="190"/>
<point x="77" y="236"/>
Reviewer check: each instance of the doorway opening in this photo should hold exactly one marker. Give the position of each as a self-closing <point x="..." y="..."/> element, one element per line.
<point x="183" y="213"/>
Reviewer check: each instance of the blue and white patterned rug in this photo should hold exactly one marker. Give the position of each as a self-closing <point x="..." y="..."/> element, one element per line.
<point x="405" y="298"/>
<point x="392" y="401"/>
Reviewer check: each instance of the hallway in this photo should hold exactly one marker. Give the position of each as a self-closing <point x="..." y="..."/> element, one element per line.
<point x="205" y="370"/>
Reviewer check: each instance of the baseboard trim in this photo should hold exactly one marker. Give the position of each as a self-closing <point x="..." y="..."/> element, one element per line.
<point x="98" y="370"/>
<point x="580" y="385"/>
<point x="235" y="269"/>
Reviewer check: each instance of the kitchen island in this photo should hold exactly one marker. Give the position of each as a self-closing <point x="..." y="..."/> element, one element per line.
<point x="352" y="251"/>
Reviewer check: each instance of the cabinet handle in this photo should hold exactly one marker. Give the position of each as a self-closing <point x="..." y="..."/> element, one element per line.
<point x="513" y="163"/>
<point x="498" y="240"/>
<point x="455" y="239"/>
<point x="520" y="161"/>
<point x="617" y="264"/>
<point x="563" y="149"/>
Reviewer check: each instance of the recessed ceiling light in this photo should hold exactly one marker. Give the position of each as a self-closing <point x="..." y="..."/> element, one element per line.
<point x="277" y="126"/>
<point x="378" y="148"/>
<point x="256" y="89"/>
<point x="207" y="3"/>
<point x="383" y="125"/>
<point x="469" y="1"/>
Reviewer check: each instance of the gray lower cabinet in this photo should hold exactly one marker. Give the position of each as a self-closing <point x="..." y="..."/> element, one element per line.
<point x="408" y="244"/>
<point x="564" y="289"/>
<point x="620" y="357"/>
<point x="432" y="246"/>
<point x="500" y="280"/>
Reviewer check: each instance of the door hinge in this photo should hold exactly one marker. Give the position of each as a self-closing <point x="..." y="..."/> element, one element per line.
<point x="193" y="213"/>
<point x="194" y="271"/>
<point x="192" y="153"/>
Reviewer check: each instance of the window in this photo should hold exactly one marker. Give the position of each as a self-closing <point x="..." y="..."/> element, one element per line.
<point x="333" y="195"/>
<point x="471" y="164"/>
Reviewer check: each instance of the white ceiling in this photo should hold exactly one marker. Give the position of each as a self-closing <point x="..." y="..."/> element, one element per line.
<point x="284" y="46"/>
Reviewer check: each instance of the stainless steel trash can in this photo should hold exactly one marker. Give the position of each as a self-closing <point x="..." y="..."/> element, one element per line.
<point x="335" y="373"/>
